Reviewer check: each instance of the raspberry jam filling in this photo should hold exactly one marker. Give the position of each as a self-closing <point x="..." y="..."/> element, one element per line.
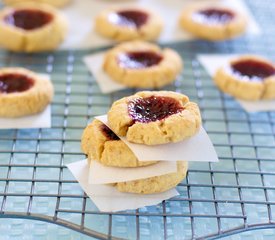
<point x="109" y="133"/>
<point x="253" y="69"/>
<point x="153" y="108"/>
<point x="138" y="60"/>
<point x="129" y="18"/>
<point x="28" y="19"/>
<point x="214" y="16"/>
<point x="13" y="82"/>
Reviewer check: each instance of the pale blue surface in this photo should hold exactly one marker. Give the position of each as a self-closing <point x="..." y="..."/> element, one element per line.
<point x="234" y="133"/>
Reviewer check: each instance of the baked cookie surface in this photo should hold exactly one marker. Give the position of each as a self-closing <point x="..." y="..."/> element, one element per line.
<point x="55" y="3"/>
<point x="101" y="144"/>
<point x="155" y="117"/>
<point x="247" y="77"/>
<point x="23" y="92"/>
<point x="212" y="22"/>
<point x="143" y="65"/>
<point x="156" y="184"/>
<point x="124" y="24"/>
<point x="31" y="27"/>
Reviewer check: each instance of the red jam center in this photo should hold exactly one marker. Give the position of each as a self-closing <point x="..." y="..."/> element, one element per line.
<point x="129" y="18"/>
<point x="253" y="69"/>
<point x="28" y="19"/>
<point x="153" y="108"/>
<point x="13" y="82"/>
<point x="109" y="133"/>
<point x="138" y="60"/>
<point x="214" y="16"/>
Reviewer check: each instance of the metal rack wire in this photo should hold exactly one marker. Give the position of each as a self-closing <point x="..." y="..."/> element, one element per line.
<point x="216" y="199"/>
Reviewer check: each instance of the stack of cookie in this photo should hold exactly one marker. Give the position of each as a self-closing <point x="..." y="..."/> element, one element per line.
<point x="150" y="118"/>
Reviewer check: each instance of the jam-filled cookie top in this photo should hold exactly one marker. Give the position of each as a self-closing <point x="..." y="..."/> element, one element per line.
<point x="139" y="59"/>
<point x="28" y="19"/>
<point x="129" y="18"/>
<point x="142" y="64"/>
<point x="247" y="77"/>
<point x="252" y="69"/>
<point x="213" y="21"/>
<point x="128" y="23"/>
<point x="23" y="92"/>
<point x="15" y="82"/>
<point x="31" y="27"/>
<point x="153" y="108"/>
<point x="213" y="16"/>
<point x="155" y="117"/>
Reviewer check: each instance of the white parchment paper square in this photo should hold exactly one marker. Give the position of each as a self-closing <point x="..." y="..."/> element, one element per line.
<point x="211" y="62"/>
<point x="107" y="198"/>
<point x="100" y="174"/>
<point x="94" y="63"/>
<point x="81" y="15"/>
<point x="40" y="120"/>
<point x="197" y="148"/>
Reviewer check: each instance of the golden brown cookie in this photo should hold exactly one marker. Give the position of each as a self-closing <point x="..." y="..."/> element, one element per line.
<point x="23" y="92"/>
<point x="31" y="27"/>
<point x="247" y="77"/>
<point x="104" y="146"/>
<point x="212" y="22"/>
<point x="143" y="65"/>
<point x="155" y="117"/>
<point x="55" y="3"/>
<point x="124" y="24"/>
<point x="155" y="184"/>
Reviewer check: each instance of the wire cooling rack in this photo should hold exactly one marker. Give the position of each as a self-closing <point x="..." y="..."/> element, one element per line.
<point x="216" y="199"/>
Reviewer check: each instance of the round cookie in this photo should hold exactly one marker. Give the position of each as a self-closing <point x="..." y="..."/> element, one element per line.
<point x="31" y="27"/>
<point x="55" y="3"/>
<point x="23" y="92"/>
<point x="155" y="184"/>
<point x="124" y="24"/>
<point x="155" y="117"/>
<point x="212" y="22"/>
<point x="102" y="145"/>
<point x="247" y="77"/>
<point x="142" y="65"/>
